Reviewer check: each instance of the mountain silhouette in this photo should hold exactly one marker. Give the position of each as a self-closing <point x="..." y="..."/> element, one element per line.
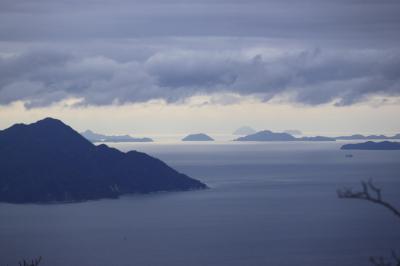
<point x="48" y="161"/>
<point x="197" y="137"/>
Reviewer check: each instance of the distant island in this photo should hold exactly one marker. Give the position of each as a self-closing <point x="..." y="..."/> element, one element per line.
<point x="95" y="137"/>
<point x="362" y="137"/>
<point x="197" y="137"/>
<point x="293" y="132"/>
<point x="48" y="161"/>
<point x="243" y="131"/>
<point x="267" y="135"/>
<point x="316" y="138"/>
<point x="370" y="145"/>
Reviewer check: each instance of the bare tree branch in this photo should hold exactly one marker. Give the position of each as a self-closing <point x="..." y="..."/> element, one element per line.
<point x="370" y="193"/>
<point x="380" y="261"/>
<point x="34" y="262"/>
<point x="396" y="258"/>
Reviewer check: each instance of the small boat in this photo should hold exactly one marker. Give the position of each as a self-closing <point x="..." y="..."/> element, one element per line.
<point x="349" y="155"/>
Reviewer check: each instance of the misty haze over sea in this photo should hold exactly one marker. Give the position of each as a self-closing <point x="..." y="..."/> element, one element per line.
<point x="269" y="204"/>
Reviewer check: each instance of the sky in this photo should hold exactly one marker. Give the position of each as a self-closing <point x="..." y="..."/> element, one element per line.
<point x="173" y="67"/>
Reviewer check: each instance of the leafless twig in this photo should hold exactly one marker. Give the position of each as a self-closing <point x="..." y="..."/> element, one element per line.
<point x="396" y="258"/>
<point x="380" y="261"/>
<point x="34" y="262"/>
<point x="370" y="193"/>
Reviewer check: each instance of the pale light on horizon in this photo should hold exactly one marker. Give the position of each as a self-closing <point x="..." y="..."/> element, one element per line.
<point x="199" y="114"/>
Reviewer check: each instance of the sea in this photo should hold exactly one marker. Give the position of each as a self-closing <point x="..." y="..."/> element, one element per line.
<point x="270" y="203"/>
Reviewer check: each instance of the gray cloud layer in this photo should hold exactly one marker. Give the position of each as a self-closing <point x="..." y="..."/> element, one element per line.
<point x="73" y="19"/>
<point x="127" y="51"/>
<point x="310" y="77"/>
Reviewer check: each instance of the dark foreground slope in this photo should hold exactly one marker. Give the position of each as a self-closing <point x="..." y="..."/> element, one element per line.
<point x="370" y="145"/>
<point x="48" y="161"/>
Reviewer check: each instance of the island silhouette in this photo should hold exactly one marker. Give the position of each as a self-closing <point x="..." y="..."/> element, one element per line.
<point x="267" y="135"/>
<point x="197" y="137"/>
<point x="244" y="130"/>
<point x="48" y="161"/>
<point x="294" y="132"/>
<point x="371" y="137"/>
<point x="96" y="137"/>
<point x="249" y="134"/>
<point x="371" y="145"/>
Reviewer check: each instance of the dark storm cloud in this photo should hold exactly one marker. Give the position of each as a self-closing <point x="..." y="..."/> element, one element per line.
<point x="133" y="51"/>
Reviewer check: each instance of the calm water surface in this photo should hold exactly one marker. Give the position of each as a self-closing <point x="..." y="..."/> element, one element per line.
<point x="269" y="204"/>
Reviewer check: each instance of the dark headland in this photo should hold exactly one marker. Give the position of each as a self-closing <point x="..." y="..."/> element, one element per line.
<point x="197" y="137"/>
<point x="48" y="161"/>
<point x="370" y="145"/>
